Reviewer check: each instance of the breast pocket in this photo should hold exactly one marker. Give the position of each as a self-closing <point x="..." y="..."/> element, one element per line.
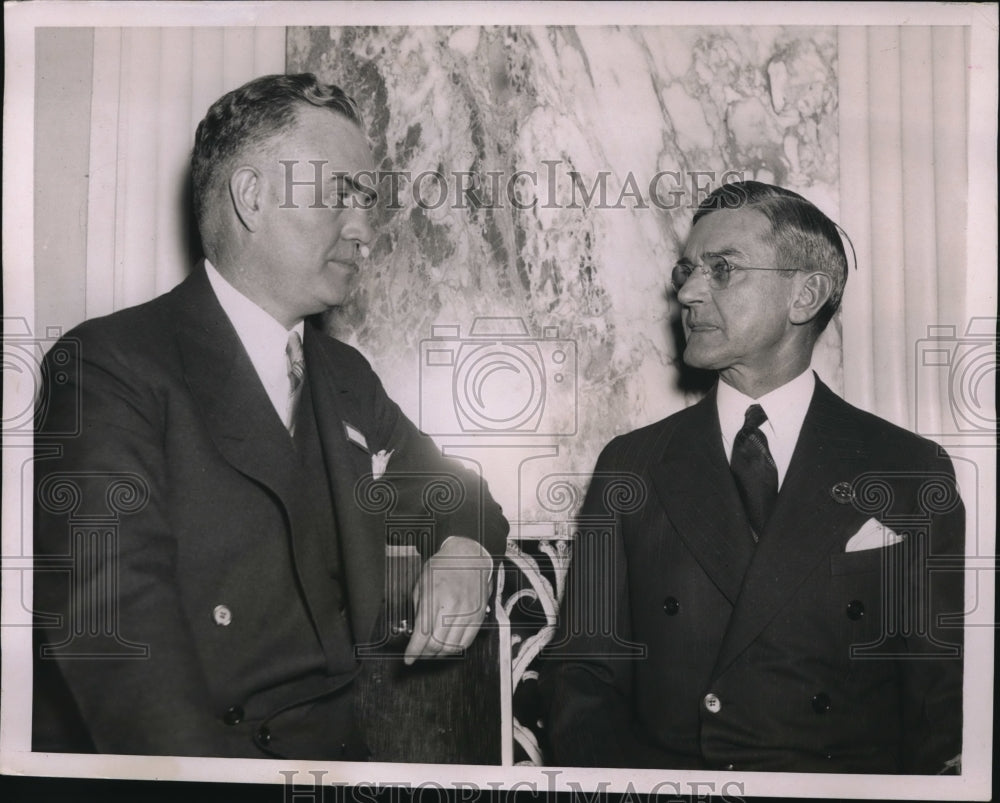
<point x="881" y="559"/>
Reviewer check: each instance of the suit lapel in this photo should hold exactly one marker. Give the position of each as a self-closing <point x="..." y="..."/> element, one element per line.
<point x="698" y="493"/>
<point x="239" y="416"/>
<point x="362" y="550"/>
<point x="243" y="425"/>
<point x="807" y="521"/>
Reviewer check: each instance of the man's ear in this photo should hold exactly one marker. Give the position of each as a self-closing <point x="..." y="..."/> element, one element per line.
<point x="245" y="192"/>
<point x="813" y="294"/>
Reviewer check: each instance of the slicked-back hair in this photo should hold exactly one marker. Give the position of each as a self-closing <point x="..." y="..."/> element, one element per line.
<point x="250" y="116"/>
<point x="802" y="236"/>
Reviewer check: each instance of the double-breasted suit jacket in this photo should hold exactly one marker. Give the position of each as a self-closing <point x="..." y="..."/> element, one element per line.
<point x="194" y="595"/>
<point x="684" y="645"/>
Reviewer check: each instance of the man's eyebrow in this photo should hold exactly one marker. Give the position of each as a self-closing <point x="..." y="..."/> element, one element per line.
<point x="726" y="252"/>
<point x="369" y="192"/>
<point x="342" y="179"/>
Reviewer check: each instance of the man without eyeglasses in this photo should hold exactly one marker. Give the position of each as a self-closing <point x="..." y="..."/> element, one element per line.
<point x="232" y="442"/>
<point x="773" y="602"/>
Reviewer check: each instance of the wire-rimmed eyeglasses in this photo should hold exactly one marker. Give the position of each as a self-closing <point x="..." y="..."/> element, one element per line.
<point x="716" y="269"/>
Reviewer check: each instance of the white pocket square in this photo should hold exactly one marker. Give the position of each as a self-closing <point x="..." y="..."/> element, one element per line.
<point x="872" y="535"/>
<point x="380" y="462"/>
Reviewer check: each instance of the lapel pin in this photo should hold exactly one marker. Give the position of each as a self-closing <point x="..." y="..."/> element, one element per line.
<point x="842" y="493"/>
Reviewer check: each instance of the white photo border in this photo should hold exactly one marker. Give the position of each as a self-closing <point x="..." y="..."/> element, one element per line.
<point x="19" y="293"/>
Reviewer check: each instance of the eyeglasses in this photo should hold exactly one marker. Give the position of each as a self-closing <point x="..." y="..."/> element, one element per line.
<point x="716" y="269"/>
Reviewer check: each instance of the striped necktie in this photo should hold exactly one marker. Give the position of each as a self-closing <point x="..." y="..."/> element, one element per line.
<point x="296" y="373"/>
<point x="754" y="470"/>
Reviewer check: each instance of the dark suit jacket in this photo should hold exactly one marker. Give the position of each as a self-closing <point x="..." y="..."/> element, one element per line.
<point x="165" y="489"/>
<point x="816" y="659"/>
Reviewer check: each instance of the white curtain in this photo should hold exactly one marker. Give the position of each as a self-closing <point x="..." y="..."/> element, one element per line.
<point x="919" y="314"/>
<point x="904" y="193"/>
<point x="151" y="87"/>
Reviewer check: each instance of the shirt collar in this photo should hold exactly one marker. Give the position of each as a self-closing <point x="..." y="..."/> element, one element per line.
<point x="253" y="323"/>
<point x="786" y="408"/>
<point x="263" y="338"/>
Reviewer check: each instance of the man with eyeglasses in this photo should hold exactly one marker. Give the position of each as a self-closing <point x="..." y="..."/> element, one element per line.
<point x="783" y="592"/>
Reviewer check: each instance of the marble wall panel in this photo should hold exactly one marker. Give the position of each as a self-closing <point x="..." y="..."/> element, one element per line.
<point x="546" y="175"/>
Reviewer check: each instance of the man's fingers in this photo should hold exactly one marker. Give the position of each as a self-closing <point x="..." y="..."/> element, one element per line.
<point x="431" y="644"/>
<point x="430" y="636"/>
<point x="437" y="636"/>
<point x="463" y="636"/>
<point x="449" y="605"/>
<point x="416" y="646"/>
<point x="463" y="632"/>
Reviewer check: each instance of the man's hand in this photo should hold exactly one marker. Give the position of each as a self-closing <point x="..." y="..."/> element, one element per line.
<point x="450" y="599"/>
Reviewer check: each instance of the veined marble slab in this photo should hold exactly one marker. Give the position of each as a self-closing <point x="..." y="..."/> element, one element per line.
<point x="548" y="175"/>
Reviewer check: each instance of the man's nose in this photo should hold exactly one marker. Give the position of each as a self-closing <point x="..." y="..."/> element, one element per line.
<point x="694" y="289"/>
<point x="358" y="227"/>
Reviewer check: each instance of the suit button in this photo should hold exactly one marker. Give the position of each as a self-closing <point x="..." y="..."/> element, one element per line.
<point x="671" y="606"/>
<point x="821" y="703"/>
<point x="222" y="615"/>
<point x="712" y="703"/>
<point x="263" y="736"/>
<point x="855" y="609"/>
<point x="842" y="493"/>
<point x="234" y="716"/>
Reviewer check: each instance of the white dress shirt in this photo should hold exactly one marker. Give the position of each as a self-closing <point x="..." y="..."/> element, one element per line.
<point x="785" y="408"/>
<point x="263" y="338"/>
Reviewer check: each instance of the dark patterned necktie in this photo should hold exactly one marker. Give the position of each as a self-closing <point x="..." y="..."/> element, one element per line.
<point x="754" y="470"/>
<point x="296" y="371"/>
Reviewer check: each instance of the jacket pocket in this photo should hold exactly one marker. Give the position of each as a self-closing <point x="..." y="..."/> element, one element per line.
<point x="866" y="560"/>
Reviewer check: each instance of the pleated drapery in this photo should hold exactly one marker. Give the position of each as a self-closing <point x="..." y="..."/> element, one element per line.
<point x="904" y="195"/>
<point x="151" y="87"/>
